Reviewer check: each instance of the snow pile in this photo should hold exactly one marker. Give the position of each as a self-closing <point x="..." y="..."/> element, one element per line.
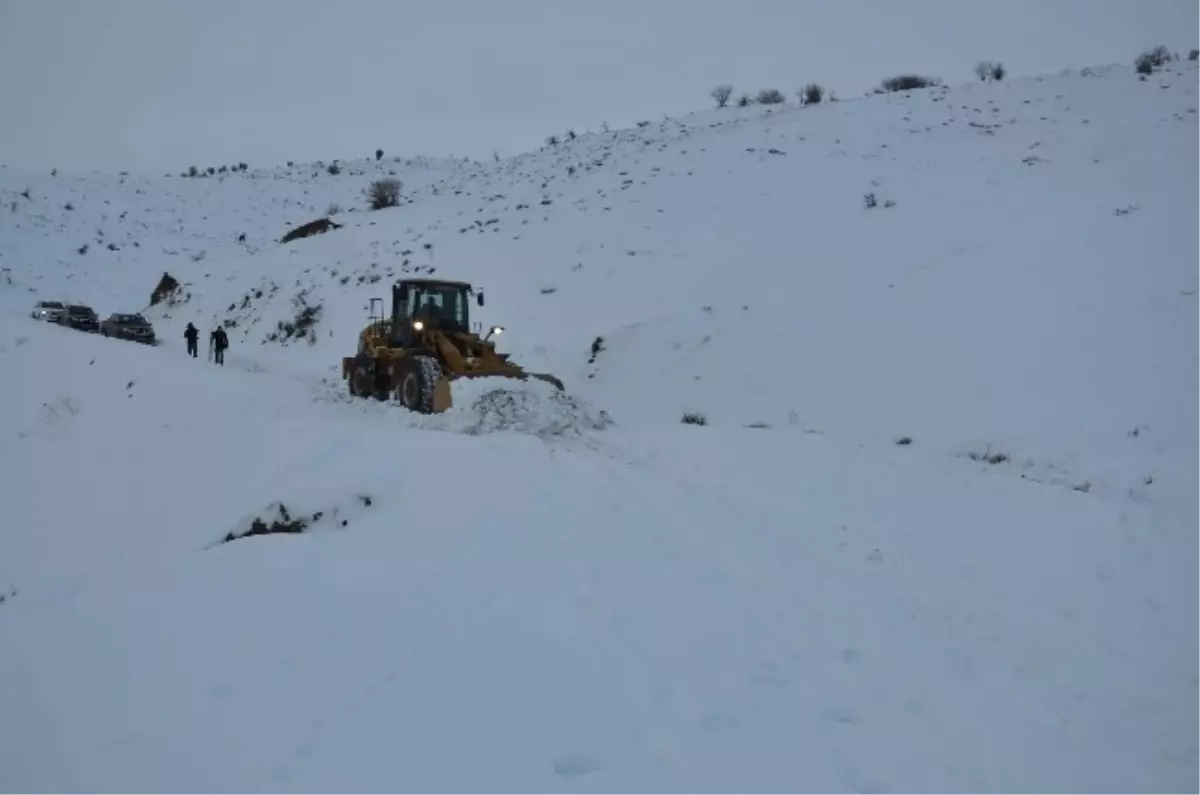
<point x="532" y="407"/>
<point x="487" y="405"/>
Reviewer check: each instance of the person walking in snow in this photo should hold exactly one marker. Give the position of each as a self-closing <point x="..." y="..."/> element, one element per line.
<point x="192" y="335"/>
<point x="219" y="342"/>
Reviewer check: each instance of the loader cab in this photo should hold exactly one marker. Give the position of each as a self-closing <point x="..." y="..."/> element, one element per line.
<point x="434" y="304"/>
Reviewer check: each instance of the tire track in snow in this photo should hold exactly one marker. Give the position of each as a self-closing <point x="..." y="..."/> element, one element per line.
<point x="781" y="651"/>
<point x="673" y="716"/>
<point x="649" y="698"/>
<point x="379" y="690"/>
<point x="387" y="675"/>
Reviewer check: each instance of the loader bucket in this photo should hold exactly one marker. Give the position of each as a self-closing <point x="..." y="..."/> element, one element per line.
<point x="443" y="399"/>
<point x="441" y="395"/>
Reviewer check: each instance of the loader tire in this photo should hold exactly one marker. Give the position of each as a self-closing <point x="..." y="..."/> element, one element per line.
<point x="418" y="377"/>
<point x="361" y="372"/>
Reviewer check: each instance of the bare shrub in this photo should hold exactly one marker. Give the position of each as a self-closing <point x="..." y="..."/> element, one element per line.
<point x="909" y="82"/>
<point x="384" y="193"/>
<point x="1152" y="59"/>
<point x="302" y="326"/>
<point x="334" y="169"/>
<point x="770" y="96"/>
<point x="378" y="155"/>
<point x="988" y="456"/>
<point x="1194" y="55"/>
<point x="721" y="95"/>
<point x="745" y="101"/>
<point x="811" y="94"/>
<point x="989" y="70"/>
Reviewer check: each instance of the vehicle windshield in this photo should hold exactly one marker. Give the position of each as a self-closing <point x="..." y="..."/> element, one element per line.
<point x="445" y="305"/>
<point x="50" y="304"/>
<point x="131" y="319"/>
<point x="81" y="310"/>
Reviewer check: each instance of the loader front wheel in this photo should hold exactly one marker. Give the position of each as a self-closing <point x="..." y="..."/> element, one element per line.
<point x="418" y="380"/>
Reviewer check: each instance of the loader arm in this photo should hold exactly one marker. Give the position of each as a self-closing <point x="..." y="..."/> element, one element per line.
<point x="453" y="360"/>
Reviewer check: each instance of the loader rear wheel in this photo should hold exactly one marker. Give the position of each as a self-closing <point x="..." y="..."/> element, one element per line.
<point x="363" y="379"/>
<point x="354" y="378"/>
<point x="418" y="378"/>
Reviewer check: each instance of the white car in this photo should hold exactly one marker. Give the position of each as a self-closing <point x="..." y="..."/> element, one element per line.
<point x="50" y="311"/>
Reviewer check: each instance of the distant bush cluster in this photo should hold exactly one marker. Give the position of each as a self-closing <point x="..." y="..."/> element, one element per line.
<point x="989" y="70"/>
<point x="555" y="140"/>
<point x="770" y="96"/>
<point x="1153" y="59"/>
<point x="194" y="171"/>
<point x="814" y="93"/>
<point x="907" y="82"/>
<point x="722" y="94"/>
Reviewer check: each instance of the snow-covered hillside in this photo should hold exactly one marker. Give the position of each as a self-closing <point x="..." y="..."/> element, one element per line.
<point x="939" y="531"/>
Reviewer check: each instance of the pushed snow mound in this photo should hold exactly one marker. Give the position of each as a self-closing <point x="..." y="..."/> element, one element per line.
<point x="492" y="405"/>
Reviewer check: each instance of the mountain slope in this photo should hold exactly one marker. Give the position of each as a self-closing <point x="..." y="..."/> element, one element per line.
<point x="938" y="532"/>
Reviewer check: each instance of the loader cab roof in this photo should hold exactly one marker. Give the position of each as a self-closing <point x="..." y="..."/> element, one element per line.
<point x="441" y="303"/>
<point x="434" y="283"/>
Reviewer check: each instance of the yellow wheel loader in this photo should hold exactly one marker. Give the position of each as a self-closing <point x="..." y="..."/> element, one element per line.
<point x="425" y="345"/>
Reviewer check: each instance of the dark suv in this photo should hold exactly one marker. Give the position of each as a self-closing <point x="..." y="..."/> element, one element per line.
<point x="128" y="327"/>
<point x="80" y="317"/>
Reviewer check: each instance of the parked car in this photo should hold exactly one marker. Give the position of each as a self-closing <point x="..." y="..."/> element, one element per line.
<point x="48" y="311"/>
<point x="128" y="327"/>
<point x="80" y="318"/>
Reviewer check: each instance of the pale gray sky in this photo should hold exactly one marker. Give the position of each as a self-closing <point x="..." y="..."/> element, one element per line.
<point x="157" y="85"/>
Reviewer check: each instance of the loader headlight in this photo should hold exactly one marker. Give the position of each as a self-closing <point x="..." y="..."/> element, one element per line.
<point x="418" y="325"/>
<point x="497" y="329"/>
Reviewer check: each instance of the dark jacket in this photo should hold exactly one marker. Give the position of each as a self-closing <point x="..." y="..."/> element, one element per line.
<point x="191" y="333"/>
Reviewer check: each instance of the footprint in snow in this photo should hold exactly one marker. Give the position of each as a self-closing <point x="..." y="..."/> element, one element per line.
<point x="769" y="675"/>
<point x="840" y="714"/>
<point x="571" y="765"/>
<point x="718" y="722"/>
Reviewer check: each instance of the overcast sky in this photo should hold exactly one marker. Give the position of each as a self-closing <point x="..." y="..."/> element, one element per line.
<point x="157" y="85"/>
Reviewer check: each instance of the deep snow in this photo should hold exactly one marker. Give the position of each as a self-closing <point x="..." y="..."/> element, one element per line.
<point x="581" y="593"/>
